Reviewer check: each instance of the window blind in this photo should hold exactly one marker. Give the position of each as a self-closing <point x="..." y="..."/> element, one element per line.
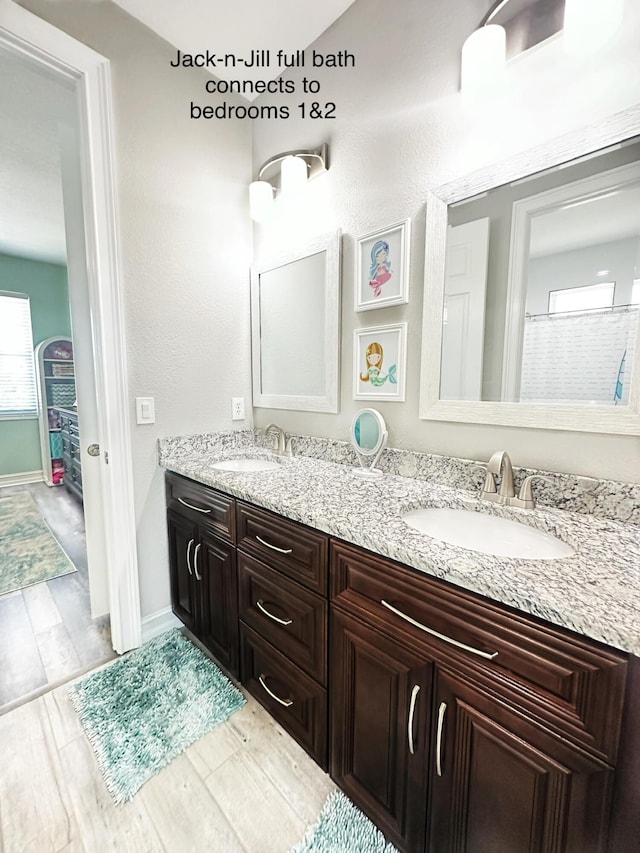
<point x="18" y="394"/>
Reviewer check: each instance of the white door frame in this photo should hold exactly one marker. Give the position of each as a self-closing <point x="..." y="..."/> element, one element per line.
<point x="26" y="34"/>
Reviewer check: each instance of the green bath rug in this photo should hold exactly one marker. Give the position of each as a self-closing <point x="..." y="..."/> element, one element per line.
<point x="342" y="828"/>
<point x="150" y="705"/>
<point x="29" y="552"/>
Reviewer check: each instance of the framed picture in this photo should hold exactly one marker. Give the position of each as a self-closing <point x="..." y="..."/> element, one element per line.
<point x="382" y="268"/>
<point x="379" y="362"/>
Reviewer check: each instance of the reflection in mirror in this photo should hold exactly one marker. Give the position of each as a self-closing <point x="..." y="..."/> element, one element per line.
<point x="295" y="328"/>
<point x="369" y="438"/>
<point x="539" y="286"/>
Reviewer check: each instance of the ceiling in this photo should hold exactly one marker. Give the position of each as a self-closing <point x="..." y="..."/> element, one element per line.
<point x="31" y="104"/>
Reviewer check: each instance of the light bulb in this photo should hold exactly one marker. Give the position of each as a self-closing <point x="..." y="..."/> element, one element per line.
<point x="483" y="67"/>
<point x="293" y="174"/>
<point x="260" y="200"/>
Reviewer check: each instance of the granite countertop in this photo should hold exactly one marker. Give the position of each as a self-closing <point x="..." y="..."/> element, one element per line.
<point x="595" y="592"/>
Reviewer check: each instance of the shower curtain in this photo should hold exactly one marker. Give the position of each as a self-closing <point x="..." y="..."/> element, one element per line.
<point x="579" y="358"/>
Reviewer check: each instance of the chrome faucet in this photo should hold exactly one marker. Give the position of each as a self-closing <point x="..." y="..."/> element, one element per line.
<point x="281" y="444"/>
<point x="499" y="466"/>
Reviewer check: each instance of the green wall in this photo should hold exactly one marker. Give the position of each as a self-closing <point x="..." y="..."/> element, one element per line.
<point x="46" y="285"/>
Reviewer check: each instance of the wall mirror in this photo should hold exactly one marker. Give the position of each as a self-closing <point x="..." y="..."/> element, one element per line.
<point x="295" y="328"/>
<point x="532" y="287"/>
<point x="369" y="438"/>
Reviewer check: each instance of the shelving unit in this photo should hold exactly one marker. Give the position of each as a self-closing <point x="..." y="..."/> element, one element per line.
<point x="56" y="389"/>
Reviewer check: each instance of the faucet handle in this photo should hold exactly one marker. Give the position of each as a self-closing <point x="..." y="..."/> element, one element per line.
<point x="525" y="495"/>
<point x="489" y="490"/>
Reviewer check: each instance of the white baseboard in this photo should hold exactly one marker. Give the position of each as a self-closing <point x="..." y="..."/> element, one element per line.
<point x="21" y="479"/>
<point x="159" y="622"/>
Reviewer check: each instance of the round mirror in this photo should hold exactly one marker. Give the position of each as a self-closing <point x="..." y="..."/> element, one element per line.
<point x="369" y="437"/>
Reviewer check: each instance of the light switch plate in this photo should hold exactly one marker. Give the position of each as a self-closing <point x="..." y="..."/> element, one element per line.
<point x="145" y="410"/>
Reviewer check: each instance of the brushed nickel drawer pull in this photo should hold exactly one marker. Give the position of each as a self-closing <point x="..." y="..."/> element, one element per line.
<point x="191" y="506"/>
<point x="285" y="702"/>
<point x="412" y="708"/>
<point x="195" y="561"/>
<point x="261" y="606"/>
<point x="442" y="710"/>
<point x="274" y="547"/>
<point x="452" y="642"/>
<point x="189" y="556"/>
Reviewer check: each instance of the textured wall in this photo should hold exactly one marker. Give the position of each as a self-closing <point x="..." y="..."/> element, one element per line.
<point x="185" y="246"/>
<point x="402" y="129"/>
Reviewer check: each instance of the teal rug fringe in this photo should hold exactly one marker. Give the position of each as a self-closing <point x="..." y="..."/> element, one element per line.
<point x="342" y="828"/>
<point x="142" y="711"/>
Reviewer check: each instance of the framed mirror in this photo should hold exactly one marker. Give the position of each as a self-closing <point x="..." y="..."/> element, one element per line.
<point x="369" y="438"/>
<point x="532" y="288"/>
<point x="295" y="328"/>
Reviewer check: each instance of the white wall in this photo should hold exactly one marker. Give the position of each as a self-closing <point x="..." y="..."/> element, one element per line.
<point x="402" y="129"/>
<point x="185" y="245"/>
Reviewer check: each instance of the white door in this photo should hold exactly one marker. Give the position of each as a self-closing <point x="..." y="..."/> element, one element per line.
<point x="464" y="310"/>
<point x="83" y="357"/>
<point x="97" y="305"/>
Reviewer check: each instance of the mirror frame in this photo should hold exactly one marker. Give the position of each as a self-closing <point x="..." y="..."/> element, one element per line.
<point x="586" y="418"/>
<point x="330" y="244"/>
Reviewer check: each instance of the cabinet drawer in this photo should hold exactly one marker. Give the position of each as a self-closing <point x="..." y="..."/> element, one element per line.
<point x="297" y="551"/>
<point x="571" y="684"/>
<point x="294" y="699"/>
<point x="205" y="506"/>
<point x="287" y="615"/>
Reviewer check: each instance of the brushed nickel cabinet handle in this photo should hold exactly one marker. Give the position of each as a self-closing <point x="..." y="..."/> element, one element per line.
<point x="412" y="708"/>
<point x="191" y="506"/>
<point x="442" y="710"/>
<point x="443" y="637"/>
<point x="286" y="702"/>
<point x="274" y="547"/>
<point x="189" y="556"/>
<point x="261" y="607"/>
<point x="195" y="561"/>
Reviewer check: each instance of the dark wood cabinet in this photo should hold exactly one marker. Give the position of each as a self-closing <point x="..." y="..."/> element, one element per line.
<point x="182" y="535"/>
<point x="292" y="697"/>
<point x="457" y="724"/>
<point x="380" y="720"/>
<point x="282" y="581"/>
<point x="523" y="722"/>
<point x="202" y="560"/>
<point x="501" y="783"/>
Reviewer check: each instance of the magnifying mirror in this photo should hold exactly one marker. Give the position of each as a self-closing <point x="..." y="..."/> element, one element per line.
<point x="369" y="438"/>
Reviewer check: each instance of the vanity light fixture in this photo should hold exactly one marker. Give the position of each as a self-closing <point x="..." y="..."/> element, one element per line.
<point x="587" y="25"/>
<point x="287" y="172"/>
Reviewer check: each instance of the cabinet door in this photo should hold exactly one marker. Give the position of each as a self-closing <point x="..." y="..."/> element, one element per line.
<point x="214" y="568"/>
<point x="500" y="783"/>
<point x="183" y="538"/>
<point x="381" y="703"/>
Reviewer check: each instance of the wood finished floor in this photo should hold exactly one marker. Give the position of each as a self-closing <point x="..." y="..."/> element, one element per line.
<point x="246" y="787"/>
<point x="47" y="634"/>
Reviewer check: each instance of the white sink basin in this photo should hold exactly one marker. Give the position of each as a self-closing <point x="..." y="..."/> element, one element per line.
<point x="488" y="534"/>
<point x="246" y="465"/>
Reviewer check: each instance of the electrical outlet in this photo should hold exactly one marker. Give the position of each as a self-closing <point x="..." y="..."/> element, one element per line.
<point x="237" y="408"/>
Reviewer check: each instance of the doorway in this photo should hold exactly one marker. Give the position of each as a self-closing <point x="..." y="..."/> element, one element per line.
<point x="94" y="291"/>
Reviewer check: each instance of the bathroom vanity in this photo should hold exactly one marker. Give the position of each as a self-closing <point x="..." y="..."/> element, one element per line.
<point x="449" y="717"/>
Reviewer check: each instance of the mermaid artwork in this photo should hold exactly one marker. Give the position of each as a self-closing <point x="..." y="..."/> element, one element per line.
<point x="374" y="375"/>
<point x="380" y="270"/>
